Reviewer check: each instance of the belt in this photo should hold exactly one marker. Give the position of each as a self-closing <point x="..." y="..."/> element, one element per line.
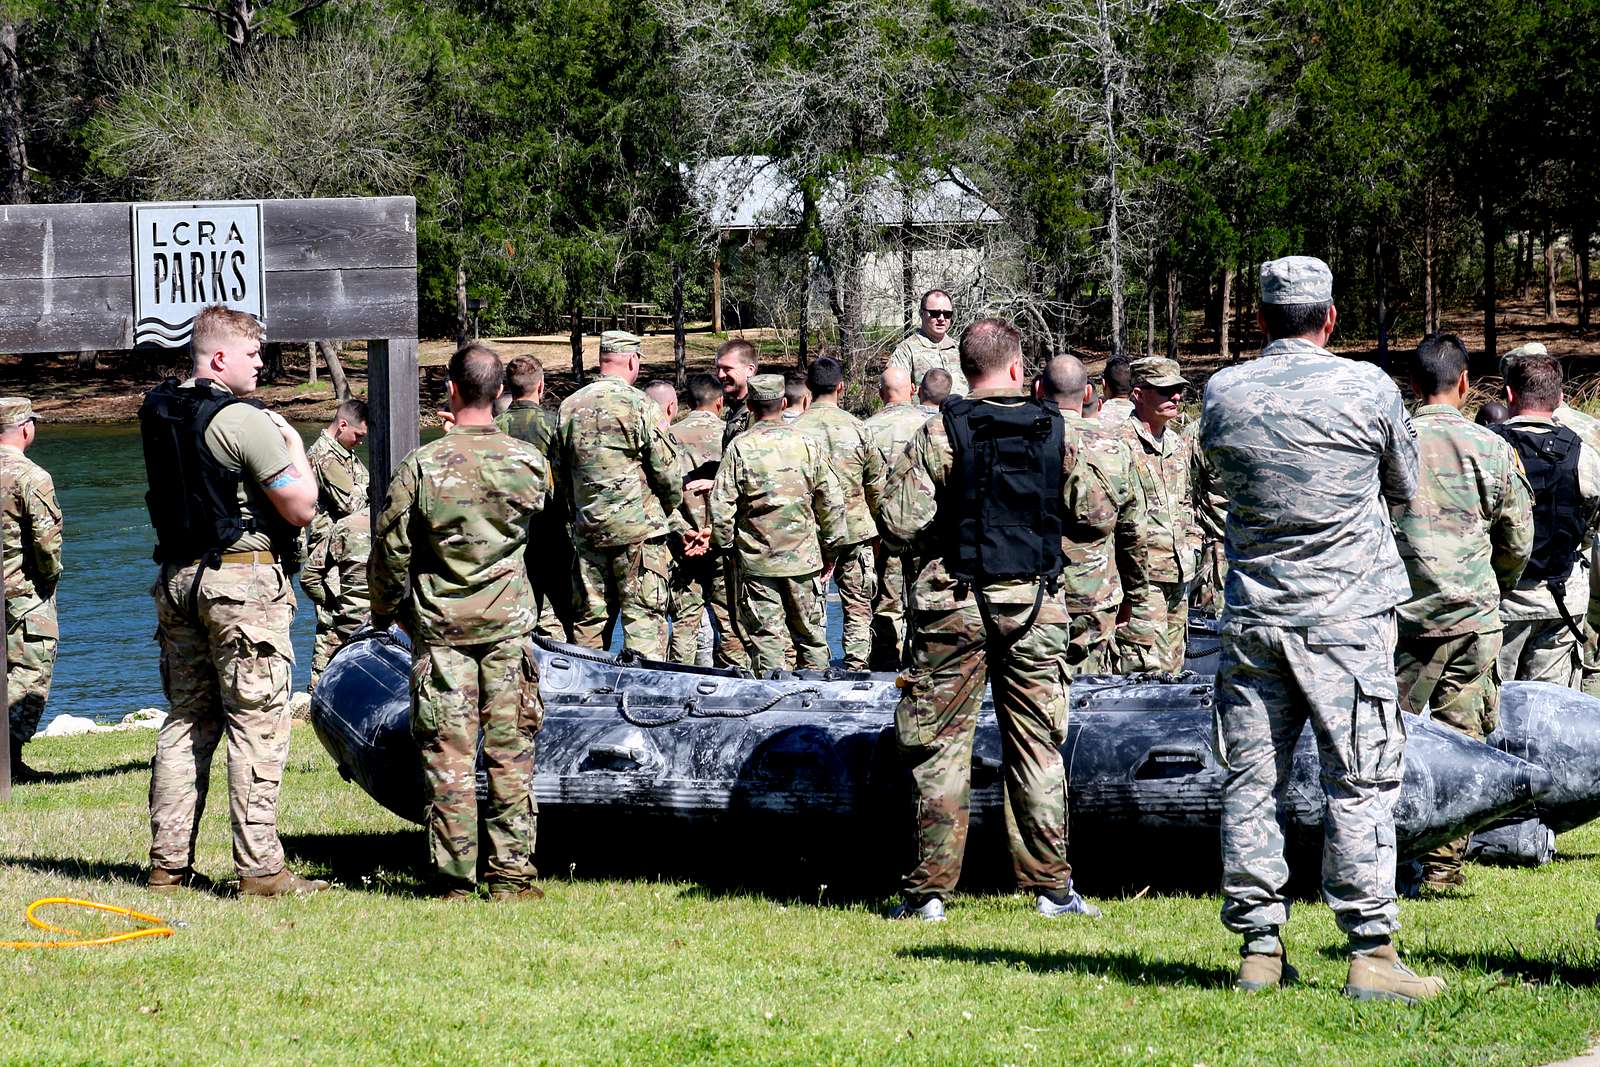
<point x="265" y="558"/>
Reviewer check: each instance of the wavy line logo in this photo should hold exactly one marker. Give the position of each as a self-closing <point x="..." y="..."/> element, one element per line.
<point x="159" y="332"/>
<point x="189" y="256"/>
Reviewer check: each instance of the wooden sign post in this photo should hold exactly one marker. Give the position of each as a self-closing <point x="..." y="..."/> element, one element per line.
<point x="113" y="276"/>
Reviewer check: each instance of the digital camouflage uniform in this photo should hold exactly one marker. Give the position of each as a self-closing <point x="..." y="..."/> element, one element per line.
<point x="338" y="573"/>
<point x="1164" y="466"/>
<point x="701" y="581"/>
<point x="1104" y="544"/>
<point x="892" y="427"/>
<point x="937" y="715"/>
<point x="735" y="418"/>
<point x="226" y="669"/>
<point x="549" y="545"/>
<point x="1211" y="517"/>
<point x="32" y="537"/>
<point x="778" y="508"/>
<point x="1307" y="446"/>
<point x="919" y="354"/>
<point x="1537" y="644"/>
<point x="1116" y="411"/>
<point x="858" y="465"/>
<point x="342" y="482"/>
<point x="448" y="562"/>
<point x="621" y="476"/>
<point x="1464" y="537"/>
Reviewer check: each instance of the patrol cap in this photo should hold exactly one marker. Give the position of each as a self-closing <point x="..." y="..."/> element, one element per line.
<point x="620" y="341"/>
<point x="767" y="386"/>
<point x="1532" y="348"/>
<point x="14" y="411"/>
<point x="1296" y="280"/>
<point x="1158" y="371"/>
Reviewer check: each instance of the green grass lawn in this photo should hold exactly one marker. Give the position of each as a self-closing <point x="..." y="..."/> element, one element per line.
<point x="649" y="972"/>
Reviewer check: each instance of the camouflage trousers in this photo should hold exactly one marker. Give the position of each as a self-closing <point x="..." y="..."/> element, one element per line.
<point x="1093" y="635"/>
<point x="627" y="583"/>
<point x="1455" y="679"/>
<point x="1540" y="650"/>
<point x="1271" y="680"/>
<point x="856" y="577"/>
<point x="889" y="613"/>
<point x="226" y="671"/>
<point x="935" y="722"/>
<point x="458" y="692"/>
<point x="323" y="646"/>
<point x="1173" y="637"/>
<point x="696" y="585"/>
<point x="1205" y="596"/>
<point x="781" y="619"/>
<point x="30" y="661"/>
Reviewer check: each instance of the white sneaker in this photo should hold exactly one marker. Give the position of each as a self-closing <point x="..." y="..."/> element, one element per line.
<point x="1053" y="905"/>
<point x="931" y="911"/>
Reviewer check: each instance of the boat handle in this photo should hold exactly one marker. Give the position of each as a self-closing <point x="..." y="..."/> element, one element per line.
<point x="621" y="752"/>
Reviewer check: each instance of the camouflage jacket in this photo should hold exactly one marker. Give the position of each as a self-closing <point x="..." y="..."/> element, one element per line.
<point x="1104" y="532"/>
<point x="530" y="422"/>
<point x="699" y="438"/>
<point x="1164" y="466"/>
<point x="777" y="503"/>
<point x="735" y="419"/>
<point x="448" y="546"/>
<point x="1531" y="599"/>
<point x="848" y="448"/>
<point x="341" y="484"/>
<point x="32" y="537"/>
<point x="1307" y="447"/>
<point x="909" y="512"/>
<point x="1466" y="533"/>
<point x="892" y="427"/>
<point x="335" y="577"/>
<point x="1116" y="411"/>
<point x="919" y="354"/>
<point x="619" y="471"/>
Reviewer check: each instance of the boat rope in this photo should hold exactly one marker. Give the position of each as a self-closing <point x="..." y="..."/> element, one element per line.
<point x="692" y="709"/>
<point x="154" y="927"/>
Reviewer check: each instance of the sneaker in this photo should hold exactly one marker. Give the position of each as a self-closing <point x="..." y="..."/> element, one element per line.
<point x="1258" y="971"/>
<point x="1379" y="975"/>
<point x="284" y="883"/>
<point x="163" y="880"/>
<point x="1054" y="903"/>
<point x="930" y="910"/>
<point x="507" y="891"/>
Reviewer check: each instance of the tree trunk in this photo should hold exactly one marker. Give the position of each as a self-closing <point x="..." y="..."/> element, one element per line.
<point x="1580" y="246"/>
<point x="1150" y="312"/>
<point x="575" y="337"/>
<point x="1430" y="312"/>
<point x="1224" y="292"/>
<point x="804" y="353"/>
<point x="13" y="141"/>
<point x="1549" y="273"/>
<point x="908" y="273"/>
<point x="311" y="363"/>
<point x="88" y="359"/>
<point x="329" y="350"/>
<point x="461" y="307"/>
<point x="1491" y="239"/>
<point x="680" y="341"/>
<point x="1380" y="287"/>
<point x="1520" y="276"/>
<point x="1174" y="306"/>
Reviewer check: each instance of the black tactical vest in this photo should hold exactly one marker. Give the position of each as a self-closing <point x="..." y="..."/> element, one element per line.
<point x="193" y="499"/>
<point x="1000" y="510"/>
<point x="1551" y="461"/>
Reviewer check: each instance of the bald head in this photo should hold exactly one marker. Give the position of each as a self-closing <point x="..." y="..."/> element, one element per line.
<point x="1062" y="382"/>
<point x="894" y="385"/>
<point x="666" y="397"/>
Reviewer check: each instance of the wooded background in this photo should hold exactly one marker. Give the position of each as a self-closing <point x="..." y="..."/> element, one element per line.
<point x="1143" y="155"/>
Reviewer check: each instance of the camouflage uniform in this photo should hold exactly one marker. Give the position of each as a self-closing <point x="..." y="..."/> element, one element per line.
<point x="1211" y="517"/>
<point x="1163" y="466"/>
<point x="1464" y="537"/>
<point x="621" y="474"/>
<point x="1587" y="427"/>
<point x="32" y="535"/>
<point x="892" y="429"/>
<point x="858" y="465"/>
<point x="342" y="481"/>
<point x="1307" y="446"/>
<point x="778" y="508"/>
<point x="549" y="545"/>
<point x="1104" y="543"/>
<point x="735" y="419"/>
<point x="937" y="715"/>
<point x="919" y="354"/>
<point x="1538" y="645"/>
<point x="701" y="581"/>
<point x="448" y="562"/>
<point x="338" y="572"/>
<point x="1116" y="411"/>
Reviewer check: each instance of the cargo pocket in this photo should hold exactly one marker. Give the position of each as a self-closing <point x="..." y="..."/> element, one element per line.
<point x="424" y="723"/>
<point x="259" y="674"/>
<point x="1378" y="734"/>
<point x="914" y="725"/>
<point x="530" y="715"/>
<point x="261" y="806"/>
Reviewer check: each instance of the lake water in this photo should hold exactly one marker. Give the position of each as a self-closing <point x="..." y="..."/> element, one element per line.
<point x="107" y="662"/>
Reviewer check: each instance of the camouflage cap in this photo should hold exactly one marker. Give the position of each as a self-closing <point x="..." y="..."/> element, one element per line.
<point x="767" y="386"/>
<point x="1296" y="280"/>
<point x="14" y="411"/>
<point x="1158" y="371"/>
<point x="1532" y="348"/>
<point x="620" y="341"/>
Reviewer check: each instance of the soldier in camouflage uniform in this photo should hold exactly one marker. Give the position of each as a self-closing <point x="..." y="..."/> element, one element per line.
<point x="448" y="566"/>
<point x="858" y="465"/>
<point x="937" y="715"/>
<point x="931" y="347"/>
<point x="797" y="396"/>
<point x="777" y="506"/>
<point x="549" y="546"/>
<point x="1465" y="538"/>
<point x="1308" y="447"/>
<point x="338" y="576"/>
<point x="1163" y="457"/>
<point x="32" y="536"/>
<point x="1104" y="540"/>
<point x="1117" y="379"/>
<point x="341" y="490"/>
<point x="622" y="480"/>
<point x="736" y="364"/>
<point x="892" y="427"/>
<point x="937" y="387"/>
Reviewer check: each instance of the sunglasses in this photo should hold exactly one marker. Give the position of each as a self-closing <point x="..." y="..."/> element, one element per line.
<point x="937" y="313"/>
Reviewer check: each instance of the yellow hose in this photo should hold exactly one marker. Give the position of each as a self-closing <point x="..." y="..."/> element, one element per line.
<point x="155" y="927"/>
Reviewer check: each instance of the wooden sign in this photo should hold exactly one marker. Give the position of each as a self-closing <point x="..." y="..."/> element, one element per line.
<point x="186" y="256"/>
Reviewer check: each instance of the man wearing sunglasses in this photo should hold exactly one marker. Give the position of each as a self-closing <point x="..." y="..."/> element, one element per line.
<point x="32" y="522"/>
<point x="931" y="346"/>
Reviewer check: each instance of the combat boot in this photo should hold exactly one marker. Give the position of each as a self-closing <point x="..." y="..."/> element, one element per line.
<point x="1379" y="975"/>
<point x="1260" y="970"/>
<point x="928" y="909"/>
<point x="510" y="891"/>
<point x="1054" y="903"/>
<point x="284" y="883"/>
<point x="164" y="880"/>
<point x="21" y="773"/>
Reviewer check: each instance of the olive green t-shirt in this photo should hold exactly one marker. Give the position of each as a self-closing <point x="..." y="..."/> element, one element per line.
<point x="243" y="437"/>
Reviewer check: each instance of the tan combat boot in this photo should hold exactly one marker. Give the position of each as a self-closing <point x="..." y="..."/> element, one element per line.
<point x="500" y="893"/>
<point x="284" y="883"/>
<point x="1259" y="971"/>
<point x="1379" y="975"/>
<point x="164" y="880"/>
